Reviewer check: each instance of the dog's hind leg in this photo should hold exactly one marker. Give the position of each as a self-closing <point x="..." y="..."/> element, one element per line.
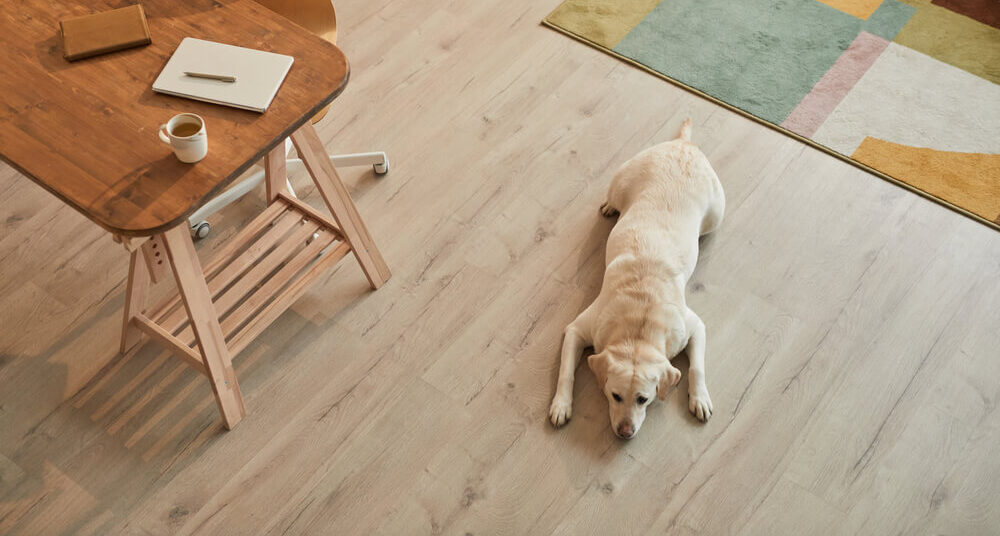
<point x="716" y="210"/>
<point x="608" y="211"/>
<point x="577" y="337"/>
<point x="615" y="199"/>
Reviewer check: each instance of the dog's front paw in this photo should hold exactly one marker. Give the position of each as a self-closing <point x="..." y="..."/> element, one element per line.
<point x="608" y="211"/>
<point x="700" y="404"/>
<point x="560" y="411"/>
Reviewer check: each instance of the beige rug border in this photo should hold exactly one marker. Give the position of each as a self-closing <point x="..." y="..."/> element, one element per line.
<point x="772" y="126"/>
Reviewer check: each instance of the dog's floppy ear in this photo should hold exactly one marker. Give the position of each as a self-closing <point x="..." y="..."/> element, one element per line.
<point x="598" y="364"/>
<point x="669" y="377"/>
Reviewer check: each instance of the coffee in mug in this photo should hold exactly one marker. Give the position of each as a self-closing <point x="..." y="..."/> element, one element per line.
<point x="186" y="134"/>
<point x="185" y="129"/>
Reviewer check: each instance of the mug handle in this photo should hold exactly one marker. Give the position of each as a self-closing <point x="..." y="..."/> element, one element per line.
<point x="163" y="137"/>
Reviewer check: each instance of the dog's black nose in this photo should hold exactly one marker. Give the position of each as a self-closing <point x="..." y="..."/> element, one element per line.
<point x="625" y="430"/>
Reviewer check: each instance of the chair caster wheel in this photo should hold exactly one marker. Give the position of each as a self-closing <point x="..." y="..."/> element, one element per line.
<point x="381" y="169"/>
<point x="200" y="230"/>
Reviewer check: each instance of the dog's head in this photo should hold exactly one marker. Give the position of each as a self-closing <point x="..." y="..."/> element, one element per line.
<point x="631" y="382"/>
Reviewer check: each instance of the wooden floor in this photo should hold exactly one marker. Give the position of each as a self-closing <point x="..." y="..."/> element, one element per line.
<point x="853" y="330"/>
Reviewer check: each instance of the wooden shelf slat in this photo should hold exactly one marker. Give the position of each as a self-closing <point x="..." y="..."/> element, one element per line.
<point x="270" y="215"/>
<point x="170" y="305"/>
<point x="253" y="277"/>
<point x="250" y="255"/>
<point x="259" y="272"/>
<point x="239" y="340"/>
<point x="265" y="292"/>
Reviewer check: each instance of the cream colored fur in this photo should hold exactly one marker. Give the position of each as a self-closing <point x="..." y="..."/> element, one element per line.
<point x="667" y="195"/>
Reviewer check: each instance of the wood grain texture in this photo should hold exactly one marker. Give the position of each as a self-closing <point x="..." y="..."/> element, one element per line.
<point x="338" y="200"/>
<point x="168" y="341"/>
<point x="851" y="352"/>
<point x="317" y="16"/>
<point x="266" y="268"/>
<point x="155" y="256"/>
<point x="204" y="321"/>
<point x="275" y="173"/>
<point x="86" y="131"/>
<point x="136" y="288"/>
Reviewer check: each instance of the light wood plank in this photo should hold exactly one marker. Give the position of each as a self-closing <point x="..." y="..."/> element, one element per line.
<point x="339" y="201"/>
<point x="310" y="211"/>
<point x="155" y="257"/>
<point x="205" y="323"/>
<point x="275" y="174"/>
<point x="170" y="342"/>
<point x="227" y="270"/>
<point x="289" y="295"/>
<point x="266" y="291"/>
<point x="137" y="285"/>
<point x="251" y="280"/>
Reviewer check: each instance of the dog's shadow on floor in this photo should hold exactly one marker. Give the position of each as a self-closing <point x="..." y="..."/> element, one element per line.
<point x="589" y="431"/>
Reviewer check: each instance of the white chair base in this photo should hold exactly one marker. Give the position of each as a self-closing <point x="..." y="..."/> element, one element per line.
<point x="200" y="227"/>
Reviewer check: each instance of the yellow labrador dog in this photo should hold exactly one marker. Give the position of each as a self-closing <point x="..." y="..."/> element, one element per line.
<point x="668" y="196"/>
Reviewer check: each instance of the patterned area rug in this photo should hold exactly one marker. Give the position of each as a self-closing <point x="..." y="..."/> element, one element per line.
<point x="906" y="88"/>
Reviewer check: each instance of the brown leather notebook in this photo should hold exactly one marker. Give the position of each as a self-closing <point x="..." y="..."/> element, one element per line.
<point x="104" y="32"/>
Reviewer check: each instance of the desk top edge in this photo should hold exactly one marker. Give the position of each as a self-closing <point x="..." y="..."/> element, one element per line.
<point x="131" y="204"/>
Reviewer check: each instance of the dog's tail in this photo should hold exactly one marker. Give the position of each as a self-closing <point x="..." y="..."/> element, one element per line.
<point x="685" y="131"/>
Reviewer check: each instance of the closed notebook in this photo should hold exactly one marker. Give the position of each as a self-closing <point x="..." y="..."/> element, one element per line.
<point x="104" y="32"/>
<point x="258" y="74"/>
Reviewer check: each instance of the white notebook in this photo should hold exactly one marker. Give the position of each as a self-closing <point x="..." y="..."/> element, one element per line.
<point x="258" y="74"/>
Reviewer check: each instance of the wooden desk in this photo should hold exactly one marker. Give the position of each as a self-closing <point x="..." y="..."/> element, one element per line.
<point x="86" y="131"/>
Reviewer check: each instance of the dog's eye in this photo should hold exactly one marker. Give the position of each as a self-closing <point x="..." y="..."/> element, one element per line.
<point x="616" y="397"/>
<point x="642" y="400"/>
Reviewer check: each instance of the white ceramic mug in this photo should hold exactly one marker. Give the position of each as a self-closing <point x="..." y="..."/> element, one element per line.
<point x="193" y="145"/>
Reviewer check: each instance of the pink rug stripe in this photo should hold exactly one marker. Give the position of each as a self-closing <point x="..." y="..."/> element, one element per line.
<point x="806" y="118"/>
